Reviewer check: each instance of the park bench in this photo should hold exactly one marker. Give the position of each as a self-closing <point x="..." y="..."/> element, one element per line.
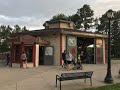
<point x="73" y="76"/>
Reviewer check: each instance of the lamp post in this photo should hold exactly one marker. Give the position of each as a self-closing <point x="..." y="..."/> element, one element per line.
<point x="108" y="78"/>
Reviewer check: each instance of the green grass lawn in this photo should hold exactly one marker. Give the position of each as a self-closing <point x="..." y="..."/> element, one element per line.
<point x="107" y="87"/>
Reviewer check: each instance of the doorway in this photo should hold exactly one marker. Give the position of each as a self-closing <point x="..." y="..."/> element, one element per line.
<point x="85" y="47"/>
<point x="46" y="55"/>
<point x="29" y="52"/>
<point x="41" y="55"/>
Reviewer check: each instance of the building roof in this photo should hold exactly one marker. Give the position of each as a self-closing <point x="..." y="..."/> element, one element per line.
<point x="41" y="32"/>
<point x="57" y="21"/>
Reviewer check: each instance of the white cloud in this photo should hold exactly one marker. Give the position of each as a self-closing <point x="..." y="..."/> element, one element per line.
<point x="106" y="1"/>
<point x="30" y="22"/>
<point x="33" y="13"/>
<point x="101" y="6"/>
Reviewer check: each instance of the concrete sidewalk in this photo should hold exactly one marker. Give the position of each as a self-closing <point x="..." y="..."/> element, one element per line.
<point x="43" y="77"/>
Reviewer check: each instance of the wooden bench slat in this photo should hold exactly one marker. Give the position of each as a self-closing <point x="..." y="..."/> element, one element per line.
<point x="77" y="74"/>
<point x="72" y="76"/>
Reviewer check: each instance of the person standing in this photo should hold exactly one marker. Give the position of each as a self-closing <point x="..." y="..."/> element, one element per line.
<point x="82" y="56"/>
<point x="64" y="59"/>
<point x="80" y="66"/>
<point x="24" y="59"/>
<point x="7" y="59"/>
<point x="69" y="59"/>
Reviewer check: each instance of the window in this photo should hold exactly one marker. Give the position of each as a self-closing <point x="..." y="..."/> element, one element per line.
<point x="49" y="51"/>
<point x="29" y="52"/>
<point x="17" y="53"/>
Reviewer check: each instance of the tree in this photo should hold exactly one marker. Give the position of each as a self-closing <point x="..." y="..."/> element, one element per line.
<point x="115" y="35"/>
<point x="17" y="29"/>
<point x="5" y="31"/>
<point x="115" y="32"/>
<point x="103" y="26"/>
<point x="83" y="19"/>
<point x="74" y="18"/>
<point x="115" y="39"/>
<point x="8" y="30"/>
<point x="24" y="29"/>
<point x="4" y="47"/>
<point x="95" y="24"/>
<point x="85" y="15"/>
<point x="59" y="17"/>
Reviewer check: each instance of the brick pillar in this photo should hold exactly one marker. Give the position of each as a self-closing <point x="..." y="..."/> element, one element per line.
<point x="60" y="49"/>
<point x="21" y="51"/>
<point x="12" y="52"/>
<point x="34" y="55"/>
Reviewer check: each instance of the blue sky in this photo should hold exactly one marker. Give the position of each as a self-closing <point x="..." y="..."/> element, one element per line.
<point x="33" y="13"/>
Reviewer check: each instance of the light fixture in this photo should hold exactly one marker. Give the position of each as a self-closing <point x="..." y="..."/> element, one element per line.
<point x="110" y="14"/>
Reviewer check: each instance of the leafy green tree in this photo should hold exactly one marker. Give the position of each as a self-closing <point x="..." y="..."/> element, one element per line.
<point x="83" y="19"/>
<point x="8" y="31"/>
<point x="24" y="29"/>
<point x="4" y="47"/>
<point x="5" y="31"/>
<point x="17" y="29"/>
<point x="115" y="39"/>
<point x="115" y="35"/>
<point x="74" y="18"/>
<point x="59" y="17"/>
<point x="115" y="32"/>
<point x="85" y="15"/>
<point x="95" y="24"/>
<point x="103" y="26"/>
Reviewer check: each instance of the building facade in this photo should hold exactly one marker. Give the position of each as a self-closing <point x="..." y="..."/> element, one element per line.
<point x="45" y="46"/>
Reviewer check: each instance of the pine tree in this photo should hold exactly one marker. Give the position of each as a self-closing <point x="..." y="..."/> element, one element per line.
<point x="24" y="29"/>
<point x="85" y="17"/>
<point x="115" y="32"/>
<point x="17" y="29"/>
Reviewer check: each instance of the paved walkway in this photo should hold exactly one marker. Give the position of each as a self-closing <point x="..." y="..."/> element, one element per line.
<point x="43" y="77"/>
